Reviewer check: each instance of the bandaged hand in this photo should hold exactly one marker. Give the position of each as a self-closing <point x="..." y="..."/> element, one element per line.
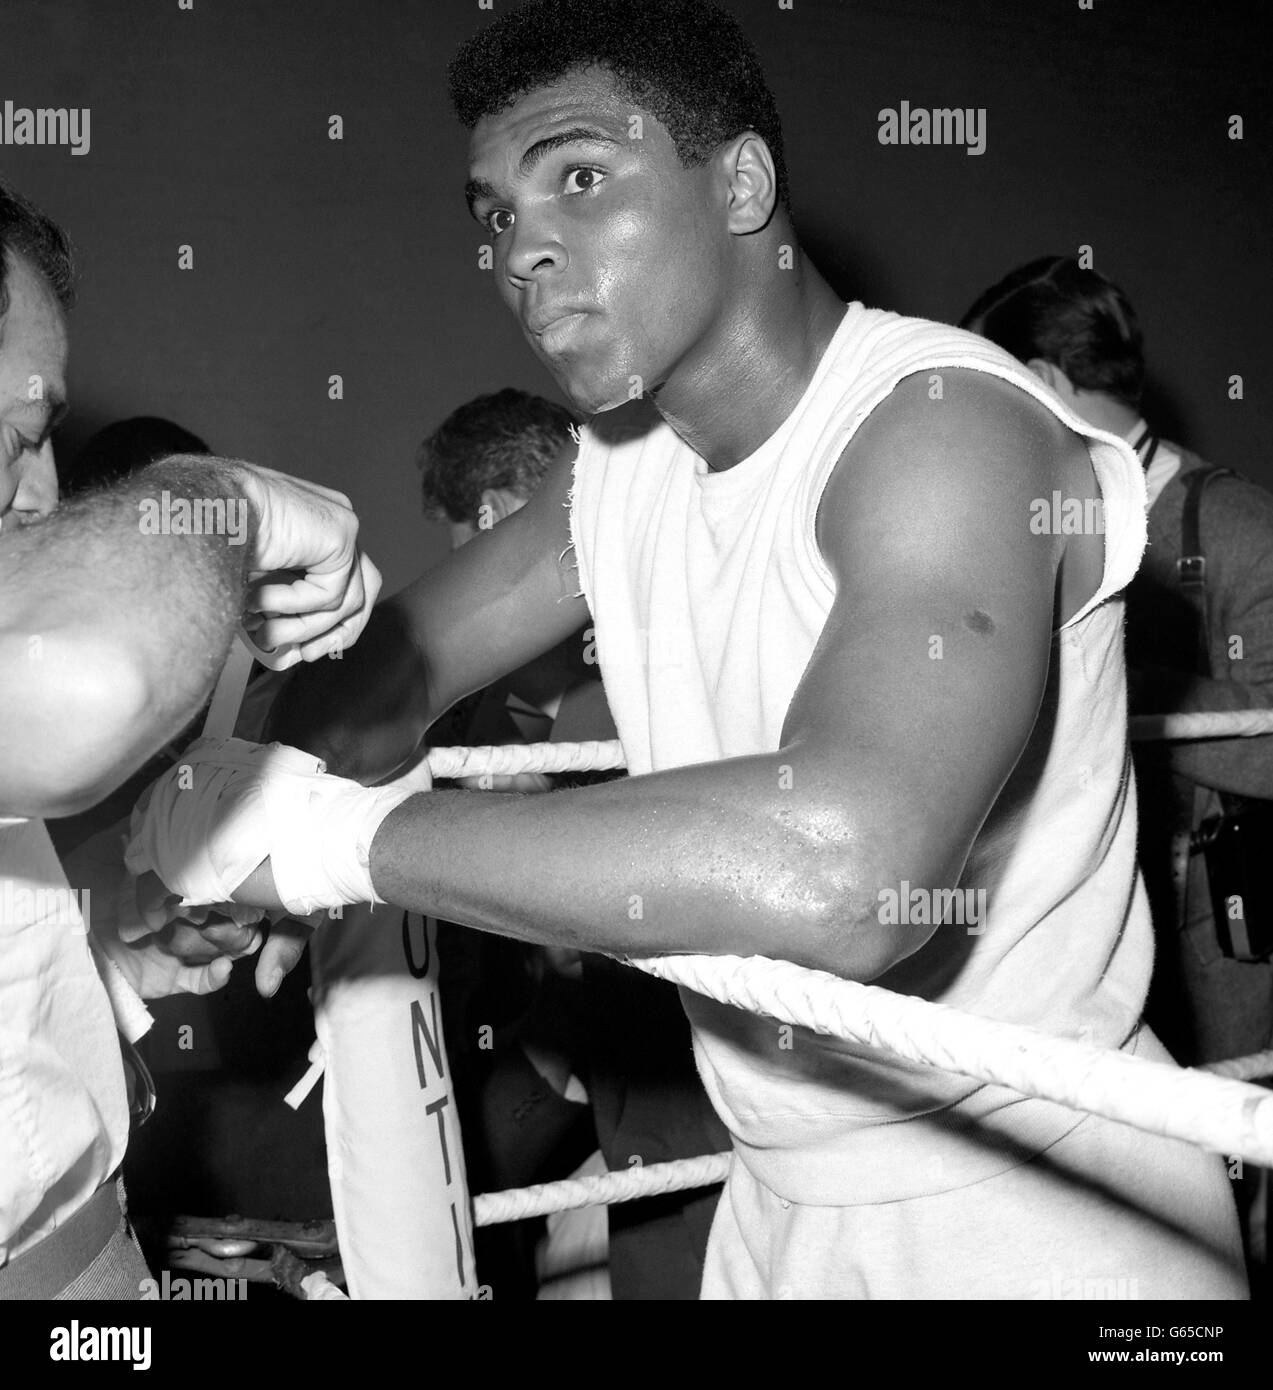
<point x="229" y="806"/>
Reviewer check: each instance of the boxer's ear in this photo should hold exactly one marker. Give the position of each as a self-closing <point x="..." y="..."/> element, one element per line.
<point x="752" y="182"/>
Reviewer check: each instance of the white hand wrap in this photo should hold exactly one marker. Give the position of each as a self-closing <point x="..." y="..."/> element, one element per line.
<point x="229" y="804"/>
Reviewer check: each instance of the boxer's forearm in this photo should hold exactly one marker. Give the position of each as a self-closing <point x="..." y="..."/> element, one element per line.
<point x="121" y="618"/>
<point x="365" y="713"/>
<point x="502" y="600"/>
<point x="708" y="859"/>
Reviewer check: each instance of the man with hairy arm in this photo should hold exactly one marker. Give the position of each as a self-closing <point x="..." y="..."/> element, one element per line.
<point x="110" y="640"/>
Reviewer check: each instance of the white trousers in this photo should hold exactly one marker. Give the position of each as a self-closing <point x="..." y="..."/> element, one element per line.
<point x="1107" y="1212"/>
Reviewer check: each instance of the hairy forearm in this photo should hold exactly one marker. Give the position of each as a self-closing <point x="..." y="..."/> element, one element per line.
<point x="706" y="859"/>
<point x="124" y="618"/>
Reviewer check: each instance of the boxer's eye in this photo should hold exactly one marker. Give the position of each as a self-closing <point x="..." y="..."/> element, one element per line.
<point x="583" y="179"/>
<point x="494" y="225"/>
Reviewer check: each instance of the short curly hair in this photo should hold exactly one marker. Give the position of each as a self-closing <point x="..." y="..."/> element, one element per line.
<point x="505" y="440"/>
<point x="1075" y="318"/>
<point x="684" y="61"/>
<point x="27" y="232"/>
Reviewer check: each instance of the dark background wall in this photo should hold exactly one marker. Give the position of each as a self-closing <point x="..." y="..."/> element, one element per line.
<point x="1106" y="127"/>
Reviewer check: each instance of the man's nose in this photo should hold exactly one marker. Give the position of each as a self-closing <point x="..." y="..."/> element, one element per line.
<point x="36" y="496"/>
<point x="536" y="248"/>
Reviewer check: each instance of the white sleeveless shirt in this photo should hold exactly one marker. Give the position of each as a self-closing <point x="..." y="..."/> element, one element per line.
<point x="708" y="595"/>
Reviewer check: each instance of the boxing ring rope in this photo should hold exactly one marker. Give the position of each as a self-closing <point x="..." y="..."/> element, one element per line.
<point x="1242" y="723"/>
<point x="1252" y="1068"/>
<point x="595" y="756"/>
<point x="604" y="755"/>
<point x="602" y="1189"/>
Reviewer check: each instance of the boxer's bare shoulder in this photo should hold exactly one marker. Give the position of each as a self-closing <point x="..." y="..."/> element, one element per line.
<point x="964" y="454"/>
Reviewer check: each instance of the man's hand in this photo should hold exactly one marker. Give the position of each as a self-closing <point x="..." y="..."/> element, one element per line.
<point x="282" y="944"/>
<point x="310" y="531"/>
<point x="182" y="957"/>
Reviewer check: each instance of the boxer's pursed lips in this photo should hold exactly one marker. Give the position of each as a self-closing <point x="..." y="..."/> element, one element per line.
<point x="538" y="320"/>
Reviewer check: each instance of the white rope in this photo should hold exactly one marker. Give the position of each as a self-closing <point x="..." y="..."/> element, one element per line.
<point x="601" y="755"/>
<point x="1242" y="723"/>
<point x="622" y="1185"/>
<point x="594" y="756"/>
<point x="1226" y="1116"/>
<point x="1252" y="1068"/>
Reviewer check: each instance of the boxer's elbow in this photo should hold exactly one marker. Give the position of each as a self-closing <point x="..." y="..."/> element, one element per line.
<point x="834" y="905"/>
<point x="849" y="933"/>
<point x="74" y="713"/>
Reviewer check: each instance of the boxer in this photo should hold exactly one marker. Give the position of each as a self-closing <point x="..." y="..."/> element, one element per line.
<point x="840" y="661"/>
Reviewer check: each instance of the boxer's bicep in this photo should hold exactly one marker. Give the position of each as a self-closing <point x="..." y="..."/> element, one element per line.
<point x="928" y="676"/>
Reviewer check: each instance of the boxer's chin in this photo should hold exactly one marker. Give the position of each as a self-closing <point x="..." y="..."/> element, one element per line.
<point x="590" y="394"/>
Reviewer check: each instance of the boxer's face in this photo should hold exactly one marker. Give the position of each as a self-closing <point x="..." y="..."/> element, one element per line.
<point x="32" y="391"/>
<point x="611" y="254"/>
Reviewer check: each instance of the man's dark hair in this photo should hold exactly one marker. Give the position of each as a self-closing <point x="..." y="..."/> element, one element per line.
<point x="27" y="232"/>
<point x="1074" y="318"/>
<point x="506" y="440"/>
<point x="127" y="446"/>
<point x="685" y="62"/>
